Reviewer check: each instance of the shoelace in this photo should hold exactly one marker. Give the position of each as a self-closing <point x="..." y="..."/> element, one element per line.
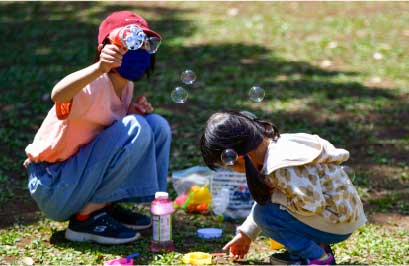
<point x="110" y="222"/>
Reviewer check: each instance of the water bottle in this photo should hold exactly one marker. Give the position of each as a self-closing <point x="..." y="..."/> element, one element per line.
<point x="161" y="210"/>
<point x="221" y="201"/>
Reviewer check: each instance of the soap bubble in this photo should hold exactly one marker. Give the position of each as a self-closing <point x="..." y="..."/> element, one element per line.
<point x="229" y="157"/>
<point x="179" y="95"/>
<point x="256" y="94"/>
<point x="132" y="37"/>
<point x="350" y="172"/>
<point x="188" y="77"/>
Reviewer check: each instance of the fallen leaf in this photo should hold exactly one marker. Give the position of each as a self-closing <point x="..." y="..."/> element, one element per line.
<point x="332" y="45"/>
<point x="28" y="261"/>
<point x="326" y="63"/>
<point x="377" y="56"/>
<point x="376" y="79"/>
<point x="232" y="12"/>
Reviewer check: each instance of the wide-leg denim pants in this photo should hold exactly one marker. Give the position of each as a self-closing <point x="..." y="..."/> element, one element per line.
<point x="128" y="161"/>
<point x="301" y="240"/>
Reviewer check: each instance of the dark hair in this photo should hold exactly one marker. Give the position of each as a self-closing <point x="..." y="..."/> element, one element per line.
<point x="233" y="130"/>
<point x="148" y="72"/>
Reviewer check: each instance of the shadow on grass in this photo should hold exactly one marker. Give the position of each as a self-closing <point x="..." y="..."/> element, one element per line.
<point x="300" y="97"/>
<point x="396" y="202"/>
<point x="48" y="40"/>
<point x="58" y="239"/>
<point x="186" y="240"/>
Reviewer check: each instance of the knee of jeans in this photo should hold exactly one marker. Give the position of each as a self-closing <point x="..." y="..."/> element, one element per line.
<point x="145" y="137"/>
<point x="58" y="216"/>
<point x="133" y="123"/>
<point x="53" y="210"/>
<point x="159" y="125"/>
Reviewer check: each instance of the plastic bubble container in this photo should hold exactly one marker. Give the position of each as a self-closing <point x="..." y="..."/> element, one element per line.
<point x="120" y="261"/>
<point x="197" y="258"/>
<point x="275" y="245"/>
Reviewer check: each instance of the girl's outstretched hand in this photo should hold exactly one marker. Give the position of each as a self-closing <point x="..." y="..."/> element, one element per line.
<point x="110" y="57"/>
<point x="140" y="106"/>
<point x="238" y="246"/>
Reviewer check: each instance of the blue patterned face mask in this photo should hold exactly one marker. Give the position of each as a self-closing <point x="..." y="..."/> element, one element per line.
<point x="134" y="64"/>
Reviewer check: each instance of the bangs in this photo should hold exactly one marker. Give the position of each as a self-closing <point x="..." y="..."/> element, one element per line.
<point x="211" y="156"/>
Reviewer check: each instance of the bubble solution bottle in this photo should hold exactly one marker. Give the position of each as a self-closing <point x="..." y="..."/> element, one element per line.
<point x="161" y="210"/>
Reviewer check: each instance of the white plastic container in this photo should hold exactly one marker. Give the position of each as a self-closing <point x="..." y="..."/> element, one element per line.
<point x="221" y="200"/>
<point x="240" y="200"/>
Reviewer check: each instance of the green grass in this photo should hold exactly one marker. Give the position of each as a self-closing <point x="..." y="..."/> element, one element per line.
<point x="319" y="63"/>
<point x="45" y="244"/>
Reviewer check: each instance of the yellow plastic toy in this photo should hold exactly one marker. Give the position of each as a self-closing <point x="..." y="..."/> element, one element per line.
<point x="196" y="200"/>
<point x="197" y="258"/>
<point x="200" y="195"/>
<point x="275" y="245"/>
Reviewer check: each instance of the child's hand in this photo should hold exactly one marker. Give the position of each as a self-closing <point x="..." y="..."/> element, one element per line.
<point x="238" y="246"/>
<point x="140" y="106"/>
<point x="26" y="163"/>
<point x="111" y="57"/>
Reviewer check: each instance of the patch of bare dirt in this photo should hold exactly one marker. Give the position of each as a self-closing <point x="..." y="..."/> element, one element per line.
<point x="380" y="176"/>
<point x="9" y="259"/>
<point x="389" y="220"/>
<point x="22" y="210"/>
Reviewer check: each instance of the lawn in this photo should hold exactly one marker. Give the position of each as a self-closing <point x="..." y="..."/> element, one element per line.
<point x="339" y="70"/>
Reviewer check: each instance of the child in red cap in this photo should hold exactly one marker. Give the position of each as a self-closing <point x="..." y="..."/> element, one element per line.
<point x="96" y="147"/>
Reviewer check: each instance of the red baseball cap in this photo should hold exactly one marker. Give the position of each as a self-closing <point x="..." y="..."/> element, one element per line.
<point x="120" y="19"/>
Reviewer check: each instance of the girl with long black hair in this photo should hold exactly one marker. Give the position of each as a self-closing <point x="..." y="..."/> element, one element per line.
<point x="304" y="198"/>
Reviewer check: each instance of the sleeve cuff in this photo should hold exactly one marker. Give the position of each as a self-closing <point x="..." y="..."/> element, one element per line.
<point x="250" y="228"/>
<point x="63" y="110"/>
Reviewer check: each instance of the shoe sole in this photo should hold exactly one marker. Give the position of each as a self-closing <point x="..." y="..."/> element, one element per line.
<point x="85" y="237"/>
<point x="274" y="261"/>
<point x="328" y="249"/>
<point x="137" y="227"/>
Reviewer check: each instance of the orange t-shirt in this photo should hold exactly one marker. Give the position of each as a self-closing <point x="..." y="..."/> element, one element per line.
<point x="68" y="126"/>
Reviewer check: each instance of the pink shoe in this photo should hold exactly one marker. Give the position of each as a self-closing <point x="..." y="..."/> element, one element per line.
<point x="330" y="260"/>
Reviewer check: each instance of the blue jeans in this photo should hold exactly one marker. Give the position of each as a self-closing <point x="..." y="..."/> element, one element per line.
<point x="128" y="160"/>
<point x="301" y="240"/>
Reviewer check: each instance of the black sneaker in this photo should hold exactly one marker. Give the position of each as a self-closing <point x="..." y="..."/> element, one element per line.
<point x="100" y="228"/>
<point x="128" y="218"/>
<point x="283" y="258"/>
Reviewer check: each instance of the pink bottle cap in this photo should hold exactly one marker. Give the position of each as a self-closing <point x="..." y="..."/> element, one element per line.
<point x="161" y="195"/>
